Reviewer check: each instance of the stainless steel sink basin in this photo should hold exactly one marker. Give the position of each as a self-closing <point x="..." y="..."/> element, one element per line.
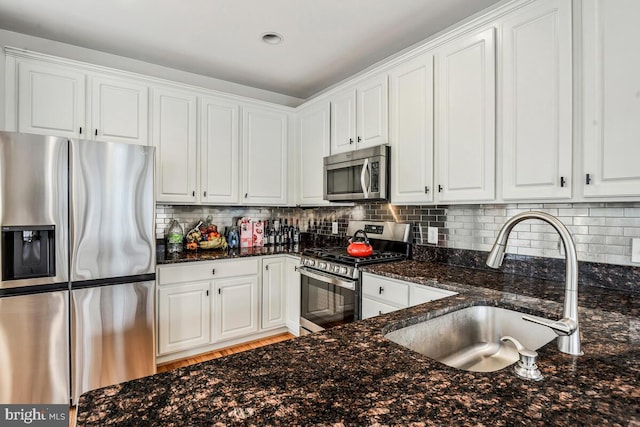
<point x="469" y="338"/>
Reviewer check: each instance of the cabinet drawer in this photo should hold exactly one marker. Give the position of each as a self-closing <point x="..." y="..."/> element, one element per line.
<point x="371" y="308"/>
<point x="420" y="294"/>
<point x="385" y="290"/>
<point x="207" y="270"/>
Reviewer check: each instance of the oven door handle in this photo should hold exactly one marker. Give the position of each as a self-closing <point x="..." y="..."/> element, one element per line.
<point x="347" y="284"/>
<point x="363" y="179"/>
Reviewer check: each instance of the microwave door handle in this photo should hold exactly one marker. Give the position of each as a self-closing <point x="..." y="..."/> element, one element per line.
<point x="363" y="181"/>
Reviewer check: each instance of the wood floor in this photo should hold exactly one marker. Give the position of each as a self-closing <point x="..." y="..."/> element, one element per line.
<point x="209" y="356"/>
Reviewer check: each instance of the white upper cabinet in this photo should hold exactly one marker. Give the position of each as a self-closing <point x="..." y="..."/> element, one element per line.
<point x="373" y="112"/>
<point x="219" y="151"/>
<point x="313" y="125"/>
<point x="119" y="110"/>
<point x="174" y="136"/>
<point x="50" y="100"/>
<point x="537" y="102"/>
<point x="465" y="118"/>
<point x="264" y="144"/>
<point x="359" y="116"/>
<point x="411" y="130"/>
<point x="611" y="98"/>
<point x="67" y="101"/>
<point x="343" y="122"/>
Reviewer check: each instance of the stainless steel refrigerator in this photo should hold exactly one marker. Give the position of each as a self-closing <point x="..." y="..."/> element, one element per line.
<point x="78" y="266"/>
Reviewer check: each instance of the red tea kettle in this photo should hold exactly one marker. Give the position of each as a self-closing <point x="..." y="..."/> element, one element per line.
<point x="359" y="245"/>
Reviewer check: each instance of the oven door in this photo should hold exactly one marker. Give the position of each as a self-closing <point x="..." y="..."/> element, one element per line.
<point x="325" y="301"/>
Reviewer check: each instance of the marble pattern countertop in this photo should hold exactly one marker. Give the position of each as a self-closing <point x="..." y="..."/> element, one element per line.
<point x="209" y="255"/>
<point x="352" y="375"/>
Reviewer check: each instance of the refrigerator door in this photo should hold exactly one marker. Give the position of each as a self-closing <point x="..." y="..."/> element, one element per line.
<point x="112" y="222"/>
<point x="33" y="196"/>
<point x="112" y="329"/>
<point x="34" y="349"/>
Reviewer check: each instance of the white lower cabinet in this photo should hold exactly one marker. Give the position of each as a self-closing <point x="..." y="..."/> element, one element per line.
<point x="235" y="307"/>
<point x="293" y="295"/>
<point x="183" y="316"/>
<point x="202" y="306"/>
<point x="381" y="295"/>
<point x="273" y="292"/>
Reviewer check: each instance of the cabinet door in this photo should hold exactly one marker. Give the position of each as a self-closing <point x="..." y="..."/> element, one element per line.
<point x="265" y="156"/>
<point x="537" y="102"/>
<point x="293" y="295"/>
<point x="273" y="293"/>
<point x="119" y="110"/>
<point x="219" y="152"/>
<point x="314" y="146"/>
<point x="411" y="126"/>
<point x="343" y="122"/>
<point x="372" y="308"/>
<point x="235" y="307"/>
<point x="51" y="100"/>
<point x="373" y="112"/>
<point x="183" y="317"/>
<point x="466" y="118"/>
<point x="174" y="136"/>
<point x="611" y="98"/>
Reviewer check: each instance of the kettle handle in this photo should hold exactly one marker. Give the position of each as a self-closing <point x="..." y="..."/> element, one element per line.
<point x="366" y="238"/>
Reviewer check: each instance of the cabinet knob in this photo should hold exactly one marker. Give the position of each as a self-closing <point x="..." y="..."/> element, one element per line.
<point x="350" y="140"/>
<point x="295" y="268"/>
<point x="266" y="267"/>
<point x="379" y="312"/>
<point x="426" y="189"/>
<point x="96" y="132"/>
<point x="219" y="291"/>
<point x="380" y="290"/>
<point x="588" y="180"/>
<point x="207" y="292"/>
<point x="246" y="195"/>
<point x="80" y="130"/>
<point x="440" y="188"/>
<point x="359" y="139"/>
<point x="205" y="194"/>
<point x="213" y="271"/>
<point x="193" y="193"/>
<point x="562" y="181"/>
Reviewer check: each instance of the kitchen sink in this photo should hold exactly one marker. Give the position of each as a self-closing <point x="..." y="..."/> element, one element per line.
<point x="469" y="338"/>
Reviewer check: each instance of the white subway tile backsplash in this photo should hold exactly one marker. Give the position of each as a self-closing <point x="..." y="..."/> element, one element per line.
<point x="602" y="231"/>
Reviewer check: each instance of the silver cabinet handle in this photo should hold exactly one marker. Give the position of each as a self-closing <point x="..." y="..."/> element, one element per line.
<point x="213" y="271"/>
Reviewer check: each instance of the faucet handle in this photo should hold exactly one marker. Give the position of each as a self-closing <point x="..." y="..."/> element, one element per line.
<point x="561" y="327"/>
<point x="526" y="366"/>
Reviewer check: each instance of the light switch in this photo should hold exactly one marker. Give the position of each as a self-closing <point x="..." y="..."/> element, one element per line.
<point x="635" y="250"/>
<point x="432" y="235"/>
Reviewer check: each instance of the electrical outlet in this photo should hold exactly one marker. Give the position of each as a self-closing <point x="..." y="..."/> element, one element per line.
<point x="334" y="227"/>
<point x="635" y="250"/>
<point x="432" y="235"/>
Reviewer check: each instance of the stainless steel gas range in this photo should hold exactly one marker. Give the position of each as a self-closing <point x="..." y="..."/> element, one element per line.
<point x="330" y="277"/>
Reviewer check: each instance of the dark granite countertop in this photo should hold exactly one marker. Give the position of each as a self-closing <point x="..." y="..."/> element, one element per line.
<point x="209" y="255"/>
<point x="352" y="375"/>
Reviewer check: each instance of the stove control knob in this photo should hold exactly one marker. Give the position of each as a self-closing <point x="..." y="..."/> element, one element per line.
<point x="322" y="266"/>
<point x="336" y="269"/>
<point x="309" y="262"/>
<point x="342" y="270"/>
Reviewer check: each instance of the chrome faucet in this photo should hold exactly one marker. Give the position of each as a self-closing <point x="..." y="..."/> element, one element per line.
<point x="567" y="328"/>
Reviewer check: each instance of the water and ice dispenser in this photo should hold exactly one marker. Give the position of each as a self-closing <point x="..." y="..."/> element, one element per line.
<point x="28" y="252"/>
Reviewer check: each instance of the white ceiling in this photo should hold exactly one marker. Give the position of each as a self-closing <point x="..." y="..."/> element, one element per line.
<point x="324" y="41"/>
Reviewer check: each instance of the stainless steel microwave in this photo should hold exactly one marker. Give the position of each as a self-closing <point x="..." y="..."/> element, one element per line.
<point x="357" y="175"/>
